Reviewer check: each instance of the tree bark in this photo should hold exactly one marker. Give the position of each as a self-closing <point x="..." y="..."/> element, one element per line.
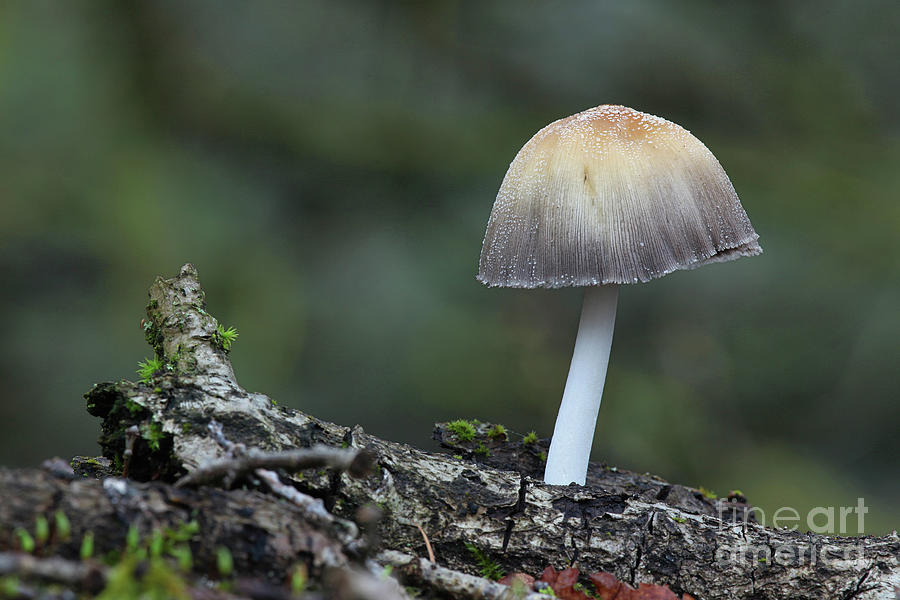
<point x="485" y="493"/>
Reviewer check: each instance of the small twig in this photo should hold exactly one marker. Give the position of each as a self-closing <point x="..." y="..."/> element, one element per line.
<point x="88" y="576"/>
<point x="427" y="544"/>
<point x="454" y="584"/>
<point x="131" y="434"/>
<point x="215" y="430"/>
<point x="240" y="461"/>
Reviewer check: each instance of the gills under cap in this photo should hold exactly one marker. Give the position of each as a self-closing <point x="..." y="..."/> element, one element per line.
<point x="611" y="195"/>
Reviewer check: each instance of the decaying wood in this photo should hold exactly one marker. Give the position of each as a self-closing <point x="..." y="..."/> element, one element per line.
<point x="486" y="493"/>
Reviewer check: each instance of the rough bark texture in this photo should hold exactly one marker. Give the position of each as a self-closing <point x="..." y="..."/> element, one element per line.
<point x="487" y="493"/>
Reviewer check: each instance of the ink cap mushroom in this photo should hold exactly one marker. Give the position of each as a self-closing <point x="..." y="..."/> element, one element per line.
<point x="605" y="197"/>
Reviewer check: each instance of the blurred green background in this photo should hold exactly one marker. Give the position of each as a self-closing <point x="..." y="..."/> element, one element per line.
<point x="329" y="167"/>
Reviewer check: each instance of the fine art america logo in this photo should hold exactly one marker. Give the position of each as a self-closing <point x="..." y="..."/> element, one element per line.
<point x="802" y="550"/>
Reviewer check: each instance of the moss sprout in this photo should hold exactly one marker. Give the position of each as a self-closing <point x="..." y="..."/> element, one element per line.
<point x="462" y="429"/>
<point x="224" y="561"/>
<point x="299" y="579"/>
<point x="132" y="539"/>
<point x="9" y="587"/>
<point x="152" y="434"/>
<point x="224" y="338"/>
<point x="63" y="526"/>
<point x="41" y="529"/>
<point x="498" y="432"/>
<point x="488" y="568"/>
<point x="531" y="438"/>
<point x="708" y="494"/>
<point x="26" y="542"/>
<point x="148" y="368"/>
<point x="87" y="546"/>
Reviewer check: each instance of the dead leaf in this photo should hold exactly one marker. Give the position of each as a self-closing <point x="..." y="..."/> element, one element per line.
<point x="610" y="588"/>
<point x="563" y="583"/>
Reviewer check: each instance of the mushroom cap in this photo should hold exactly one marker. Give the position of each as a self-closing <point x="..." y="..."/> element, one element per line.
<point x="611" y="195"/>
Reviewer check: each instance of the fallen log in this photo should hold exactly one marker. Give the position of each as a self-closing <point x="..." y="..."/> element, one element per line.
<point x="482" y="502"/>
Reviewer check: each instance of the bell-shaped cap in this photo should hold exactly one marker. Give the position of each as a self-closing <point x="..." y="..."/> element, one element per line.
<point x="611" y="195"/>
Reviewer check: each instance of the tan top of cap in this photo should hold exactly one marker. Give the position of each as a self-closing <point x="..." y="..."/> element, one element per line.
<point x="611" y="195"/>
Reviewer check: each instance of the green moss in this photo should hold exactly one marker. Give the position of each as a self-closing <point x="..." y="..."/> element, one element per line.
<point x="62" y="525"/>
<point x="26" y="542"/>
<point x="41" y="529"/>
<point x="578" y="587"/>
<point x="224" y="338"/>
<point x="132" y="539"/>
<point x="148" y="368"/>
<point x="498" y="432"/>
<point x="87" y="546"/>
<point x="183" y="557"/>
<point x="299" y="579"/>
<point x="678" y="519"/>
<point x="9" y="587"/>
<point x="152" y="434"/>
<point x="462" y="429"/>
<point x="153" y="336"/>
<point x="709" y="494"/>
<point x="531" y="438"/>
<point x="148" y="569"/>
<point x="184" y="531"/>
<point x="542" y="455"/>
<point x="224" y="561"/>
<point x="137" y="579"/>
<point x="482" y="451"/>
<point x="488" y="568"/>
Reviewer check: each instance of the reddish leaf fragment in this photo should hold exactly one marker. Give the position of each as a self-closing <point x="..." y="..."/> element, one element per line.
<point x="563" y="583"/>
<point x="607" y="585"/>
<point x="567" y="578"/>
<point x="549" y="575"/>
<point x="525" y="578"/>
<point x="610" y="588"/>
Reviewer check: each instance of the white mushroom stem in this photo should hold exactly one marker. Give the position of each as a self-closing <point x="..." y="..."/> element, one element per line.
<point x="570" y="447"/>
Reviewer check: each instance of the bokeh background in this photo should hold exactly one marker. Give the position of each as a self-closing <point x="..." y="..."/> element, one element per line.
<point x="329" y="167"/>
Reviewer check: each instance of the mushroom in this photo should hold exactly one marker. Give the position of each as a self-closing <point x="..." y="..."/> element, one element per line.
<point x="605" y="197"/>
